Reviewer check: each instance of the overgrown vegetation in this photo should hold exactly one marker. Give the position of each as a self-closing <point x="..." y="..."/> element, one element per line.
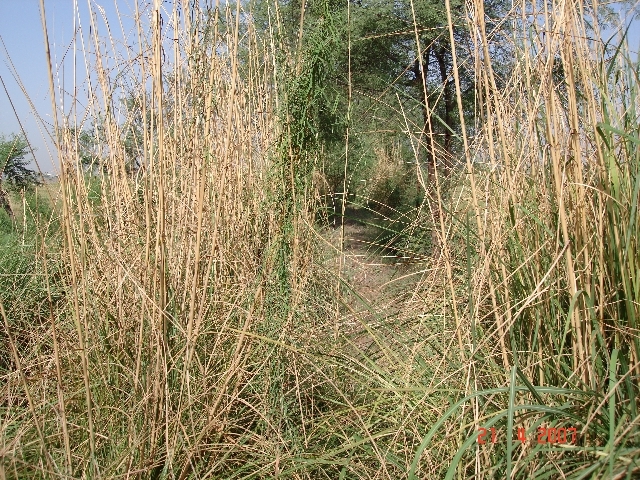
<point x="174" y="311"/>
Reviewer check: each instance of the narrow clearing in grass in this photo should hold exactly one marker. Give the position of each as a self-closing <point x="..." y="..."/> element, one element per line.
<point x="381" y="284"/>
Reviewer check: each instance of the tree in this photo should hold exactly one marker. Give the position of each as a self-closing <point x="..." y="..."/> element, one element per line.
<point x="13" y="163"/>
<point x="92" y="146"/>
<point x="13" y="168"/>
<point x="399" y="50"/>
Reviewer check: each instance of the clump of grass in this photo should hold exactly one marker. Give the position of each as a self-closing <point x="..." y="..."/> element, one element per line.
<point x="547" y="306"/>
<point x="27" y="240"/>
<point x="185" y="263"/>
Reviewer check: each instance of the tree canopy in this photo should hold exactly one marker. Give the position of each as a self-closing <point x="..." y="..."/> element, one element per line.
<point x="14" y="162"/>
<point x="382" y="69"/>
<point x="388" y="52"/>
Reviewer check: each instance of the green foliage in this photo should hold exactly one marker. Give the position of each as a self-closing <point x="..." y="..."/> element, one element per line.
<point x="23" y="287"/>
<point x="13" y="163"/>
<point x="367" y="62"/>
<point x="313" y="116"/>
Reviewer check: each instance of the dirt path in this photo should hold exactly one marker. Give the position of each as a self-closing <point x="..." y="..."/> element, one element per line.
<point x="382" y="283"/>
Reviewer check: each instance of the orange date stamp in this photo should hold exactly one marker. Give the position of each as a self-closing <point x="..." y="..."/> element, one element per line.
<point x="551" y="436"/>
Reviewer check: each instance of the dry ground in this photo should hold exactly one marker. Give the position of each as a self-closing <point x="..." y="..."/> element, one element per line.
<point x="380" y="284"/>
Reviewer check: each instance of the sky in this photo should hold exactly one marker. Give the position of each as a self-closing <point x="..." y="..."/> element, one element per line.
<point x="23" y="46"/>
<point x="24" y="49"/>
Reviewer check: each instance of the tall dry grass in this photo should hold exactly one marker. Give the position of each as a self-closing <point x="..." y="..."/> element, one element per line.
<point x="541" y="253"/>
<point x="185" y="262"/>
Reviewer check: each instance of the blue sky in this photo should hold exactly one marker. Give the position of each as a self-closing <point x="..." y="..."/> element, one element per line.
<point x="22" y="36"/>
<point x="21" y="32"/>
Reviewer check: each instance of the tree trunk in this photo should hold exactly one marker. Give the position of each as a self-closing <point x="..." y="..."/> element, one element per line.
<point x="4" y="203"/>
<point x="441" y="56"/>
<point x="421" y="74"/>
